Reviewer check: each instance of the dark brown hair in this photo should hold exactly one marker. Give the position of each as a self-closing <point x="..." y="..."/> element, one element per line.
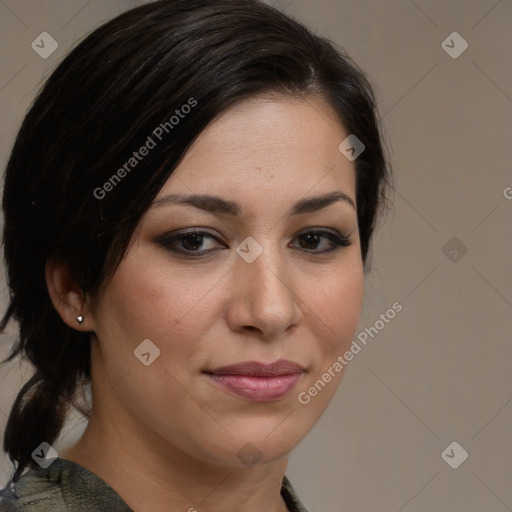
<point x="100" y="105"/>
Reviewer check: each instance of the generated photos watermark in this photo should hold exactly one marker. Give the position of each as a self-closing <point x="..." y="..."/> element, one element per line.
<point x="454" y="455"/>
<point x="305" y="397"/>
<point x="45" y="455"/>
<point x="152" y="141"/>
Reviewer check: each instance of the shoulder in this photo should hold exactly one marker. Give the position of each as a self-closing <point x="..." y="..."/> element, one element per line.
<point x="32" y="493"/>
<point x="62" y="487"/>
<point x="67" y="487"/>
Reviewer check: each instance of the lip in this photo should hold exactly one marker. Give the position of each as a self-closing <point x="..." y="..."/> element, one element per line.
<point x="257" y="381"/>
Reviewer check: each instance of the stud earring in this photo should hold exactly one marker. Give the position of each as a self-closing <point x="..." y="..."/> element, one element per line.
<point x="80" y="319"/>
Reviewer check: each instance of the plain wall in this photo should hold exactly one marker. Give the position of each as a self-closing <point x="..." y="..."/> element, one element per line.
<point x="440" y="370"/>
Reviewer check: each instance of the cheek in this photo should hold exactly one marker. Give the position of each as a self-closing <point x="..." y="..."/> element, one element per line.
<point x="148" y="302"/>
<point x="172" y="306"/>
<point x="335" y="311"/>
<point x="335" y="307"/>
<point x="152" y="298"/>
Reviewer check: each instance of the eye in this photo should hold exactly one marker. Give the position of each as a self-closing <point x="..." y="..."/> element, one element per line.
<point x="330" y="241"/>
<point x="197" y="243"/>
<point x="189" y="242"/>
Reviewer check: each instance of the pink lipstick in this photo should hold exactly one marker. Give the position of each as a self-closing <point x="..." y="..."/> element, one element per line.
<point x="257" y="381"/>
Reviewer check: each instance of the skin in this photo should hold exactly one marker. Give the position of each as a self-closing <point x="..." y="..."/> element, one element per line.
<point x="165" y="436"/>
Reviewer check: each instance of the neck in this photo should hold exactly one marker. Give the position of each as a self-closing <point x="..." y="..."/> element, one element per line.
<point x="150" y="474"/>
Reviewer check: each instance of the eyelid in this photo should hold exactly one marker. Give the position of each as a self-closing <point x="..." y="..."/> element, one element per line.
<point x="188" y="231"/>
<point x="215" y="234"/>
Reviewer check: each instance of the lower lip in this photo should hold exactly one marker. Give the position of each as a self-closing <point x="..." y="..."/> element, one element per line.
<point x="259" y="389"/>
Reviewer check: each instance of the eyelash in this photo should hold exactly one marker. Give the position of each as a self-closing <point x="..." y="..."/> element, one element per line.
<point x="337" y="240"/>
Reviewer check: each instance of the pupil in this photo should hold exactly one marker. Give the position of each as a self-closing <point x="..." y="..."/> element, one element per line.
<point x="196" y="242"/>
<point x="311" y="239"/>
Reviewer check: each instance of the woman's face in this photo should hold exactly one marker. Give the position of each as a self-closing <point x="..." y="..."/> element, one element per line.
<point x="250" y="286"/>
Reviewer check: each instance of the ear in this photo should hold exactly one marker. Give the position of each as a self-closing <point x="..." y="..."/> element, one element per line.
<point x="67" y="296"/>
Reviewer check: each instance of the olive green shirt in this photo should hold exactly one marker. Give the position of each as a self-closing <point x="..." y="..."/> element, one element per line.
<point x="68" y="487"/>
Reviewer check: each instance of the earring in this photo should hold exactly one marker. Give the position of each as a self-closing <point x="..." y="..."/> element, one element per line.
<point x="80" y="319"/>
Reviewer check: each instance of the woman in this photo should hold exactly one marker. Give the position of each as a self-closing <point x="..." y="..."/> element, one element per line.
<point x="188" y="208"/>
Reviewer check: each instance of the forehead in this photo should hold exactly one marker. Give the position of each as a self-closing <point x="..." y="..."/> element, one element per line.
<point x="273" y="146"/>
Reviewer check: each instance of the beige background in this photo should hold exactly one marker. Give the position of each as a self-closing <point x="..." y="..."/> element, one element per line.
<point x="440" y="371"/>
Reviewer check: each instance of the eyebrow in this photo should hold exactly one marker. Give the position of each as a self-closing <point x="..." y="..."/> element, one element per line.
<point x="215" y="204"/>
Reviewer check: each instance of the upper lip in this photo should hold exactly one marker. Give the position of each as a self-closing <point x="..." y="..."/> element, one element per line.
<point x="257" y="369"/>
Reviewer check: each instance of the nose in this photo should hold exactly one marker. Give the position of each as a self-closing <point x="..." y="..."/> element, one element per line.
<point x="264" y="298"/>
